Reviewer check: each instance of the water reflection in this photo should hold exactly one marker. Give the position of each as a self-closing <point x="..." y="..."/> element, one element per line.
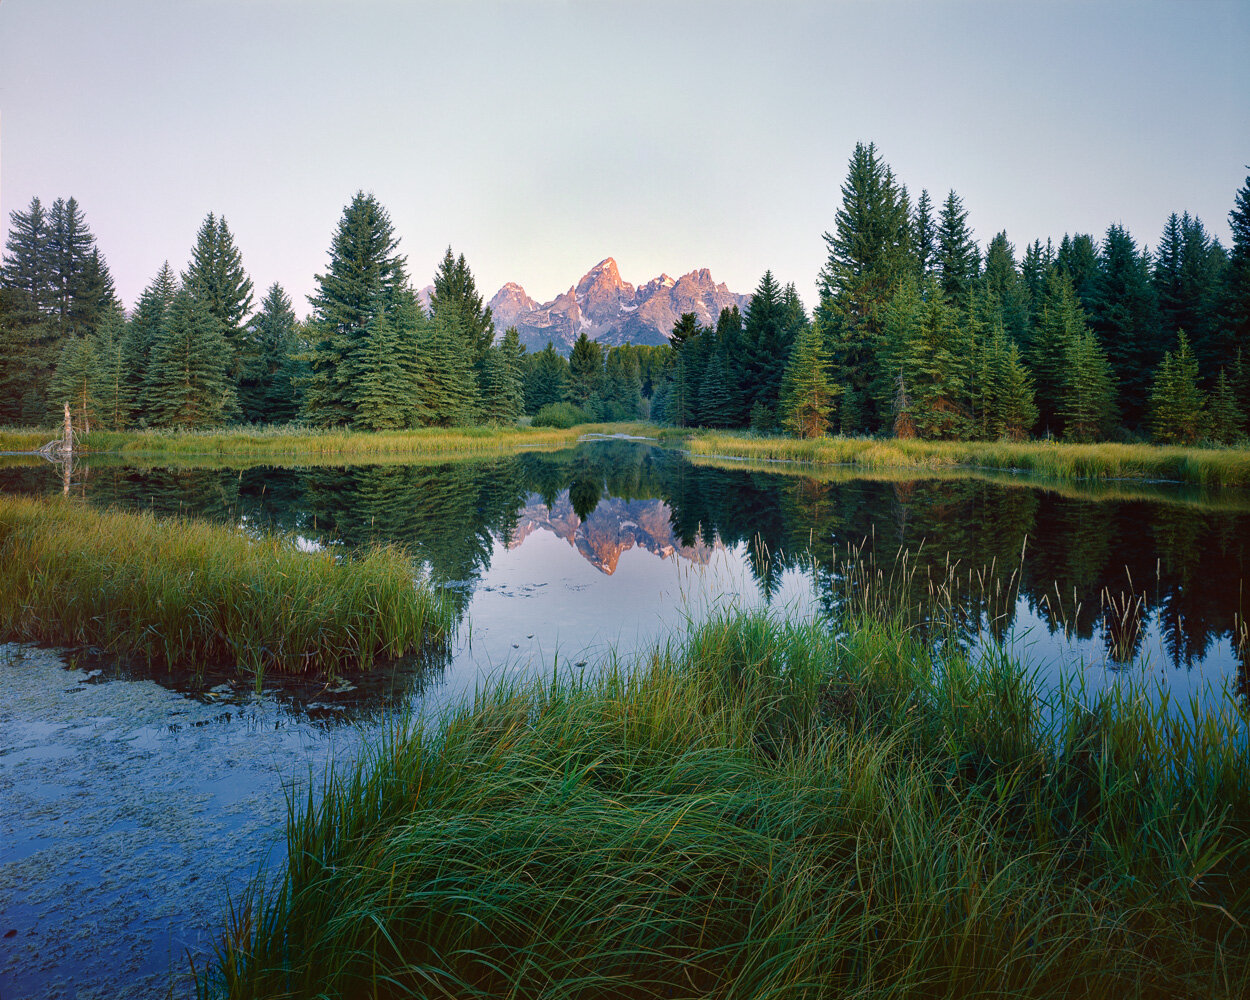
<point x="1094" y="568"/>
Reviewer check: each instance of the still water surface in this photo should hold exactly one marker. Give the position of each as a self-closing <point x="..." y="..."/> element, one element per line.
<point x="131" y="805"/>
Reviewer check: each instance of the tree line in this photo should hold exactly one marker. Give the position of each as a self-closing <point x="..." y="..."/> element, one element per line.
<point x="917" y="332"/>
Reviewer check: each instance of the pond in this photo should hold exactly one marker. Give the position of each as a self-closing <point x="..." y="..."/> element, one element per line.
<point x="132" y="805"/>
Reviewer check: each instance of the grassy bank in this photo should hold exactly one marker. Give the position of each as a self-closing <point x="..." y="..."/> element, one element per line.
<point x="1202" y="466"/>
<point x="766" y="811"/>
<point x="283" y="442"/>
<point x="184" y="593"/>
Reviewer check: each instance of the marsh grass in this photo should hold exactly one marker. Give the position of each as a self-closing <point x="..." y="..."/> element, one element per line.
<point x="294" y="442"/>
<point x="767" y="809"/>
<point x="1201" y="466"/>
<point x="184" y="593"/>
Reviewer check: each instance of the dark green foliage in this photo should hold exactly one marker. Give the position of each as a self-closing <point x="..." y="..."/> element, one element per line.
<point x="1176" y="402"/>
<point x="112" y="387"/>
<point x="1123" y="313"/>
<point x="216" y="277"/>
<point x="142" y="332"/>
<point x="562" y="415"/>
<point x="546" y="379"/>
<point x="622" y="386"/>
<point x="924" y="236"/>
<point x="869" y="251"/>
<point x="958" y="260"/>
<point x="366" y="277"/>
<point x="774" y="318"/>
<point x="382" y="393"/>
<point x="70" y="247"/>
<point x="270" y="370"/>
<point x="807" y="396"/>
<point x="926" y="364"/>
<point x="1225" y="419"/>
<point x="1234" y="317"/>
<point x="455" y="300"/>
<point x="503" y="380"/>
<point x="1007" y="289"/>
<point x="25" y="268"/>
<point x="446" y="386"/>
<point x="187" y="383"/>
<point x="1060" y="322"/>
<point x="1077" y="257"/>
<point x="1087" y="404"/>
<point x="585" y="370"/>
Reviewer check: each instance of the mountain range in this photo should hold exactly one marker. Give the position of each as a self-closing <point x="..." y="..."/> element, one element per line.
<point x="610" y="310"/>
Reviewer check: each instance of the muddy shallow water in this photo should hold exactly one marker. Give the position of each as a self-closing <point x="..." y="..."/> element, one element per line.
<point x="133" y="807"/>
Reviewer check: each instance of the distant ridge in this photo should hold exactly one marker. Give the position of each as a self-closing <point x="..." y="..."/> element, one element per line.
<point x="610" y="310"/>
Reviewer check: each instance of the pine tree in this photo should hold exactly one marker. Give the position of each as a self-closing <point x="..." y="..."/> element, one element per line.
<point x="1226" y="420"/>
<point x="1016" y="409"/>
<point x="366" y="276"/>
<point x="187" y="384"/>
<point x="26" y="258"/>
<point x="622" y="384"/>
<point x="1088" y="400"/>
<point x="267" y="379"/>
<point x="546" y="379"/>
<point x="1176" y="402"/>
<point x="503" y="386"/>
<point x="382" y="394"/>
<point x="924" y="237"/>
<point x="585" y="371"/>
<point x="807" y="397"/>
<point x="1234" y="313"/>
<point x="1059" y="324"/>
<point x="958" y="260"/>
<point x="1123" y="313"/>
<point x="142" y="332"/>
<point x="1001" y="279"/>
<point x="113" y="388"/>
<point x="455" y="290"/>
<point x="1077" y="257"/>
<point x="74" y="381"/>
<point x="69" y="248"/>
<point x="447" y="385"/>
<point x="869" y="252"/>
<point x="217" y="278"/>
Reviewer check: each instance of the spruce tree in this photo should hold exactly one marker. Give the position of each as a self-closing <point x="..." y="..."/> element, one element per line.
<point x="70" y="247"/>
<point x="546" y="379"/>
<point x="958" y="260"/>
<point x="366" y="277"/>
<point x="622" y="384"/>
<point x="869" y="252"/>
<point x="455" y="291"/>
<point x="1226" y="421"/>
<point x="448" y="393"/>
<point x="1087" y="404"/>
<point x="113" y="387"/>
<point x="75" y="381"/>
<point x="1002" y="280"/>
<point x="924" y="236"/>
<point x="585" y="371"/>
<point x="1123" y="313"/>
<point x="26" y="257"/>
<point x="267" y="391"/>
<point x="187" y="384"/>
<point x="1059" y="324"/>
<point x="217" y="278"/>
<point x="142" y="332"/>
<point x="382" y="394"/>
<point x="1234" y="315"/>
<point x="807" y="396"/>
<point x="1176" y="402"/>
<point x="503" y="384"/>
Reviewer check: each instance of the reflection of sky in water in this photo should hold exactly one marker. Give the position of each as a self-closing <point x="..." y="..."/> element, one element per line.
<point x="128" y="811"/>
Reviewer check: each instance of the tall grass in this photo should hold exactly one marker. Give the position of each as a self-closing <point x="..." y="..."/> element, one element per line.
<point x="184" y="593"/>
<point x="766" y="810"/>
<point x="1203" y="466"/>
<point x="284" y="441"/>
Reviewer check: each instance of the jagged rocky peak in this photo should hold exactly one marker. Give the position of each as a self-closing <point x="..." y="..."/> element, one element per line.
<point x="510" y="302"/>
<point x="611" y="310"/>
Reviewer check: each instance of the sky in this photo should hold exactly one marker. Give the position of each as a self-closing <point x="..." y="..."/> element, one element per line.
<point x="539" y="136"/>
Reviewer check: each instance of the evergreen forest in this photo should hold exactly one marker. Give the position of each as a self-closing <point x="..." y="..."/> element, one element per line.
<point x="918" y="331"/>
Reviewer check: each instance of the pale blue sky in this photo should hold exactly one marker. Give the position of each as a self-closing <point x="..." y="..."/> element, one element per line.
<point x="539" y="137"/>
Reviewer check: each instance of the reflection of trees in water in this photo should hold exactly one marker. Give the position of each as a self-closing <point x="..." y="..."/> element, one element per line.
<point x="1093" y="566"/>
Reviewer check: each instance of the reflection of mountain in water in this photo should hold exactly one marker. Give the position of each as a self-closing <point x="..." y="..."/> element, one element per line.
<point x="613" y="527"/>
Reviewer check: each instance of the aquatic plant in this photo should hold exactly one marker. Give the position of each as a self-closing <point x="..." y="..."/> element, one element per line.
<point x="183" y="593"/>
<point x="1204" y="466"/>
<point x="769" y="809"/>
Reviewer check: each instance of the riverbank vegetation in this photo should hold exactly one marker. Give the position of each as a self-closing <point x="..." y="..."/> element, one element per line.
<point x="918" y="332"/>
<point x="1055" y="460"/>
<point x="771" y="808"/>
<point x="183" y="593"/>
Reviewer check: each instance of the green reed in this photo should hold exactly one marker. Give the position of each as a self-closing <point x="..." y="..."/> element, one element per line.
<point x="1202" y="466"/>
<point x="768" y="809"/>
<point x="184" y="593"/>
